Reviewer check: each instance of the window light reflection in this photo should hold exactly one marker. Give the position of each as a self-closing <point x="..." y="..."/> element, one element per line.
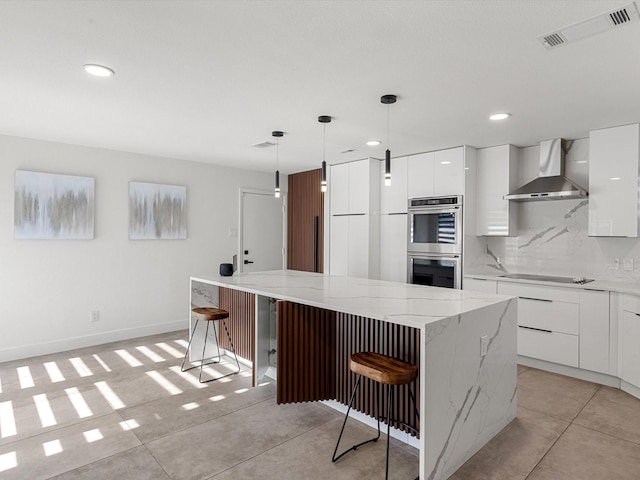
<point x="52" y="447"/>
<point x="47" y="418"/>
<point x="24" y="375"/>
<point x="170" y="350"/>
<point x="8" y="461"/>
<point x="81" y="367"/>
<point x="130" y="359"/>
<point x="102" y="364"/>
<point x="93" y="435"/>
<point x="78" y="402"/>
<point x="164" y="383"/>
<point x="7" y="420"/>
<point x="147" y="352"/>
<point x="109" y="395"/>
<point x="54" y="372"/>
<point x="129" y="425"/>
<point x="188" y="377"/>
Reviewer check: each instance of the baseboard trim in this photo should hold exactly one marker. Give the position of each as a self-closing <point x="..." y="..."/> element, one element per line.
<point x="587" y="375"/>
<point x="34" y="350"/>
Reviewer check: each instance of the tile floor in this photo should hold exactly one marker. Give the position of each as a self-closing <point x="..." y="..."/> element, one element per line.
<point x="125" y="411"/>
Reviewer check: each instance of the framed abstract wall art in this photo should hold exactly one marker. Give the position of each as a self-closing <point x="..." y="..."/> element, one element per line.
<point x="157" y="211"/>
<point x="52" y="206"/>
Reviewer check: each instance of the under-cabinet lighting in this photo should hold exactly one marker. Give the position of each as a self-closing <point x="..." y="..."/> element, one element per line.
<point x="614" y="178"/>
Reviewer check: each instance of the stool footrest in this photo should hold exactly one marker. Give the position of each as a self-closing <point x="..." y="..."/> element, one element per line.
<point x="355" y="447"/>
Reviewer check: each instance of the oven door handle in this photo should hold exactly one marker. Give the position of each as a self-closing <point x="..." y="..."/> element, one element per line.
<point x="449" y="209"/>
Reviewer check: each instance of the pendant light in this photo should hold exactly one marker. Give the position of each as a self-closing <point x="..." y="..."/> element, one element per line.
<point x="324" y="119"/>
<point x="387" y="100"/>
<point x="277" y="134"/>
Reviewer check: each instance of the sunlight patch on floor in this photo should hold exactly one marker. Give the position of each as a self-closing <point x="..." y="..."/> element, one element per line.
<point x="163" y="382"/>
<point x="47" y="418"/>
<point x="150" y="354"/>
<point x="8" y="461"/>
<point x="170" y="350"/>
<point x="188" y="377"/>
<point x="130" y="359"/>
<point x="7" y="420"/>
<point x="78" y="402"/>
<point x="102" y="364"/>
<point x="80" y="367"/>
<point x="93" y="435"/>
<point x="109" y="395"/>
<point x="53" y="447"/>
<point x="24" y="375"/>
<point x="54" y="372"/>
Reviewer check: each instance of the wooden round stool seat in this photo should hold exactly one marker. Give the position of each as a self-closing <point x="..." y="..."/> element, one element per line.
<point x="210" y="313"/>
<point x="383" y="369"/>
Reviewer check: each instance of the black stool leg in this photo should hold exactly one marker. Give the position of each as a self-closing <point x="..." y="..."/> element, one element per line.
<point x="386" y="476"/>
<point x="219" y="356"/>
<point x="182" y="369"/>
<point x="204" y="346"/>
<point x="355" y="447"/>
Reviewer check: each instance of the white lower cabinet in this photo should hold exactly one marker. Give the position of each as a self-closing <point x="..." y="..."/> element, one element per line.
<point x="630" y="340"/>
<point x="569" y="326"/>
<point x="393" y="248"/>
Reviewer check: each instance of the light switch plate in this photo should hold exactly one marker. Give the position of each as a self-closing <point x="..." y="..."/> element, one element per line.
<point x="628" y="264"/>
<point x="615" y="263"/>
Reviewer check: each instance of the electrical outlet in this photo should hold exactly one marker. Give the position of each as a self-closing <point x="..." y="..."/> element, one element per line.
<point x="628" y="264"/>
<point x="615" y="263"/>
<point x="95" y="316"/>
<point x="484" y="345"/>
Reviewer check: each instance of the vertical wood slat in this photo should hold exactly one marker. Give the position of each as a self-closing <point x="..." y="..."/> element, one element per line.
<point x="241" y="321"/>
<point x="306" y="353"/>
<point x="305" y="202"/>
<point x="358" y="334"/>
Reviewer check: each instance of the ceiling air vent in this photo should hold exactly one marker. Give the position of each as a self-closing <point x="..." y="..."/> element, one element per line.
<point x="264" y="144"/>
<point x="590" y="27"/>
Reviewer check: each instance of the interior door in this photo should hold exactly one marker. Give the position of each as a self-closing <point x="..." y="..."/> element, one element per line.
<point x="262" y="228"/>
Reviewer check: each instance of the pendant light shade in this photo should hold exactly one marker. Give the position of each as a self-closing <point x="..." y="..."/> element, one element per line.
<point x="324" y="119"/>
<point x="277" y="134"/>
<point x="387" y="100"/>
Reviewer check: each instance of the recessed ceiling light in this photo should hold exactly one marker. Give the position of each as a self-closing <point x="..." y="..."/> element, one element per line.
<point x="98" y="70"/>
<point x="374" y="143"/>
<point x="445" y="162"/>
<point x="614" y="178"/>
<point x="499" y="116"/>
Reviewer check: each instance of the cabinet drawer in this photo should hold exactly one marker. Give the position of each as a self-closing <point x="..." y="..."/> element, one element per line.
<point x="552" y="347"/>
<point x="479" y="285"/>
<point x="571" y="295"/>
<point x="549" y="315"/>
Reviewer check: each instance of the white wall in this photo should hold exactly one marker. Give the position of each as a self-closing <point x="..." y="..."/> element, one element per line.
<point x="49" y="287"/>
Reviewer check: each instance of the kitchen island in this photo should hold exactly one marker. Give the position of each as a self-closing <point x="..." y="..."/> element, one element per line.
<point x="466" y="352"/>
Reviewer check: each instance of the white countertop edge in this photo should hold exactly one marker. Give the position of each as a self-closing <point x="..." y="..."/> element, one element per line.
<point x="415" y="320"/>
<point x="603" y="285"/>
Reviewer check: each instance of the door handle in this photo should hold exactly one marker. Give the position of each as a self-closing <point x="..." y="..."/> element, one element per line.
<point x="247" y="261"/>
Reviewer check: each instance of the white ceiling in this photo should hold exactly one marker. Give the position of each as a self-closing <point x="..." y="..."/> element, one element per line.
<point x="205" y="80"/>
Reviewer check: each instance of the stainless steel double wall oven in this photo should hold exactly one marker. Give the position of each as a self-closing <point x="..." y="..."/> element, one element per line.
<point x="434" y="241"/>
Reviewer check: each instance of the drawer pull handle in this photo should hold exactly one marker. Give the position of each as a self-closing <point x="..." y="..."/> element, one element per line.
<point x="536" y="299"/>
<point x="536" y="329"/>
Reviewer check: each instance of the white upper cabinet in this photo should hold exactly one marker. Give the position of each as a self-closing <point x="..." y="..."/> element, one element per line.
<point x="355" y="187"/>
<point x="448" y="172"/>
<point x="496" y="176"/>
<point x="420" y="175"/>
<point x="393" y="199"/>
<point x="436" y="174"/>
<point x="614" y="167"/>
<point x="339" y="189"/>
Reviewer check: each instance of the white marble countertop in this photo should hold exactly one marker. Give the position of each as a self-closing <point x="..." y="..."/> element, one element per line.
<point x="631" y="288"/>
<point x="401" y="303"/>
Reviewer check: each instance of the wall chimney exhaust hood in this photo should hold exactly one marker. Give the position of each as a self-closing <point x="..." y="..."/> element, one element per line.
<point x="551" y="184"/>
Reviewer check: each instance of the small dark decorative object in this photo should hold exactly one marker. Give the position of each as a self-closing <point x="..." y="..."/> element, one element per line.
<point x="226" y="269"/>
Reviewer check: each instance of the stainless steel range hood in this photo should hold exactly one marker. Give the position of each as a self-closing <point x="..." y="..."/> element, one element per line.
<point x="551" y="184"/>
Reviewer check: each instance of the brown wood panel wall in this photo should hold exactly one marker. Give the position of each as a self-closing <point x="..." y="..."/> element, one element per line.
<point x="305" y="202"/>
<point x="241" y="321"/>
<point x="358" y="334"/>
<point x="306" y="353"/>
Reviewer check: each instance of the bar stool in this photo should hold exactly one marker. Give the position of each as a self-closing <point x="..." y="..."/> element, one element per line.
<point x="383" y="370"/>
<point x="209" y="314"/>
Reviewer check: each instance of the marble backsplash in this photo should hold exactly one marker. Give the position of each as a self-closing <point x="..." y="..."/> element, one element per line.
<point x="552" y="235"/>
